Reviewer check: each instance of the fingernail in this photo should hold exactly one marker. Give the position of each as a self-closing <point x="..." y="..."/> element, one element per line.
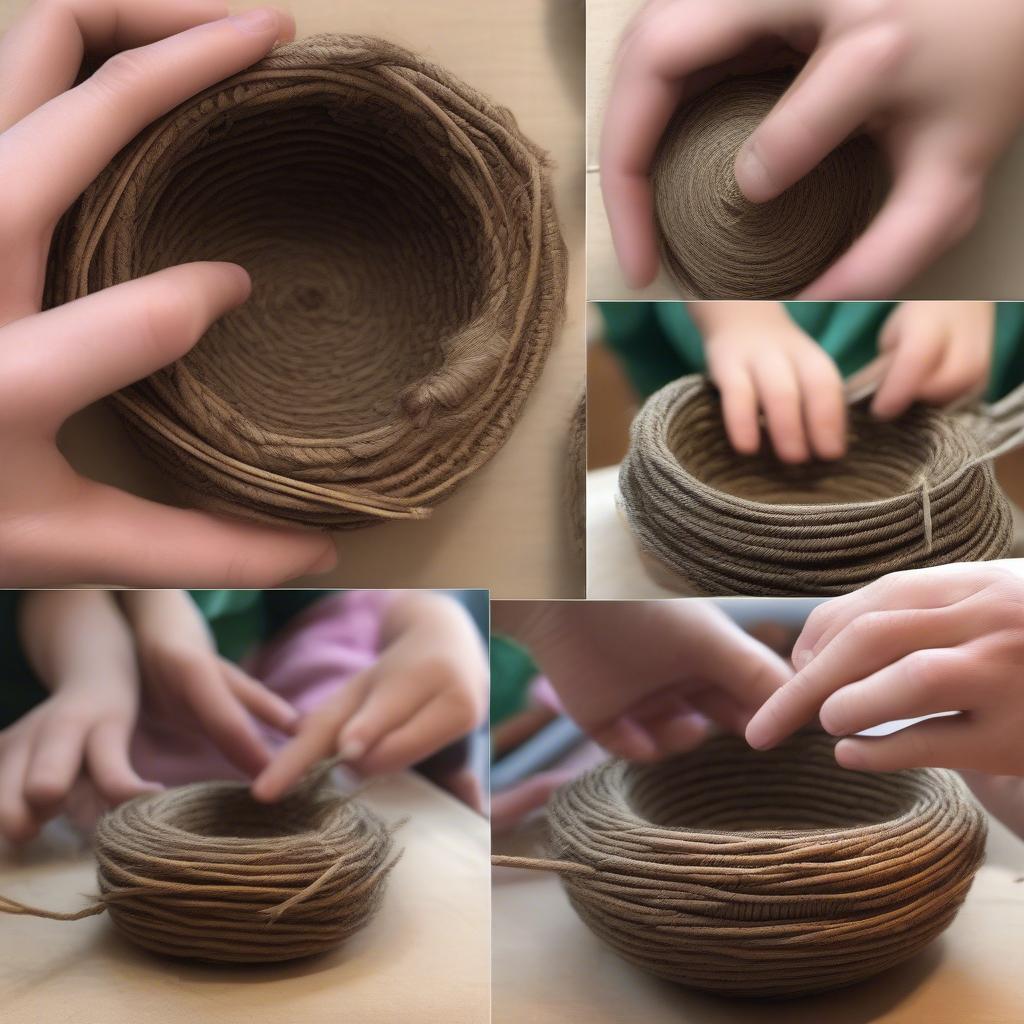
<point x="351" y="750"/>
<point x="752" y="176"/>
<point x="257" y="21"/>
<point x="801" y="659"/>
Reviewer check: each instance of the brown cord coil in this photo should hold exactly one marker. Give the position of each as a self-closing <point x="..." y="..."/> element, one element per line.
<point x="207" y="873"/>
<point x="408" y="271"/>
<point x="763" y="874"/>
<point x="908" y="494"/>
<point x="718" y="245"/>
<point x="576" y="478"/>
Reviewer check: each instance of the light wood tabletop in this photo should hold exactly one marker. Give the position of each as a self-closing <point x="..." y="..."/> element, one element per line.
<point x="549" y="969"/>
<point x="507" y="528"/>
<point x="988" y="264"/>
<point x="425" y="957"/>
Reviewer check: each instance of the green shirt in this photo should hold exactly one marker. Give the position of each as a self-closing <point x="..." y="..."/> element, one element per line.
<point x="658" y="342"/>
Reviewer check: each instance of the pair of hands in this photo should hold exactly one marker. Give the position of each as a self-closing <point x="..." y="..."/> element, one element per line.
<point x="56" y="526"/>
<point x="764" y="365"/>
<point x="100" y="659"/>
<point x="913" y="644"/>
<point x="938" y="86"/>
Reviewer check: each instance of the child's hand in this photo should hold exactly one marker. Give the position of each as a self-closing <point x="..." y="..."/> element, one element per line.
<point x="935" y="352"/>
<point x="645" y="678"/>
<point x="763" y="363"/>
<point x="80" y="647"/>
<point x="191" y="687"/>
<point x="428" y="688"/>
<point x="912" y="644"/>
<point x="940" y="86"/>
<point x="55" y="137"/>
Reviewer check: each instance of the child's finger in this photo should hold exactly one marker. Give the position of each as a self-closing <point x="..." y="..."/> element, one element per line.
<point x="259" y="700"/>
<point x="833" y="97"/>
<point x="930" y="207"/>
<point x="915" y="358"/>
<point x="627" y="738"/>
<point x="739" y="406"/>
<point x="17" y="822"/>
<point x="221" y="715"/>
<point x="925" y="682"/>
<point x="935" y="743"/>
<point x="114" y="337"/>
<point x="110" y="767"/>
<point x="824" y="404"/>
<point x="55" y="762"/>
<point x="97" y="118"/>
<point x="42" y="52"/>
<point x="778" y="392"/>
<point x="388" y="706"/>
<point x="437" y="723"/>
<point x="317" y="737"/>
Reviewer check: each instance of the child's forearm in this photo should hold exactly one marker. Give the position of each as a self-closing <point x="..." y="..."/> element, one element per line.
<point x="72" y="636"/>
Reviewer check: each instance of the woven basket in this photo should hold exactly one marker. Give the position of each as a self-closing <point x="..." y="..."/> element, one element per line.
<point x="912" y="493"/>
<point x="765" y="874"/>
<point x="408" y="270"/>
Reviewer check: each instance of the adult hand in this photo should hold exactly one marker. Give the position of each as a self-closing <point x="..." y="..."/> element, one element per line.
<point x="913" y="644"/>
<point x="55" y="137"/>
<point x="939" y="87"/>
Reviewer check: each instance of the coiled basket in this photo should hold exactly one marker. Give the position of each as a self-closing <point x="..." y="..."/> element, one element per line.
<point x="207" y="873"/>
<point x="408" y="279"/>
<point x="764" y="874"/>
<point x="916" y="492"/>
<point x="715" y="243"/>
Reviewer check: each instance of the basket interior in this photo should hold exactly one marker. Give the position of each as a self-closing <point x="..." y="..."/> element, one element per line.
<point x="798" y="787"/>
<point x="883" y="460"/>
<point x="364" y="254"/>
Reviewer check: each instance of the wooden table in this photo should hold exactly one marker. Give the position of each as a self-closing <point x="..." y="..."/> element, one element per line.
<point x="549" y="969"/>
<point x="424" y="958"/>
<point x="988" y="264"/>
<point x="507" y="528"/>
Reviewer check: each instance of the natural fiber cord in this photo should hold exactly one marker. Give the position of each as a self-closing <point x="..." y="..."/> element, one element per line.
<point x="207" y="873"/>
<point x="718" y="245"/>
<point x="408" y="273"/>
<point x="763" y="874"/>
<point x="576" y="478"/>
<point x="912" y="493"/>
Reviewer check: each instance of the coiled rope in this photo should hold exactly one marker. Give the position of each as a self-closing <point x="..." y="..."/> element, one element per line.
<point x="408" y="272"/>
<point x="205" y="872"/>
<point x="718" y="245"/>
<point x="912" y="493"/>
<point x="763" y="874"/>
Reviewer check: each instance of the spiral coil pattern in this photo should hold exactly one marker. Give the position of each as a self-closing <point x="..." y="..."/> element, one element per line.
<point x="408" y="272"/>
<point x="206" y="872"/>
<point x="718" y="245"/>
<point x="909" y="494"/>
<point x="765" y="874"/>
